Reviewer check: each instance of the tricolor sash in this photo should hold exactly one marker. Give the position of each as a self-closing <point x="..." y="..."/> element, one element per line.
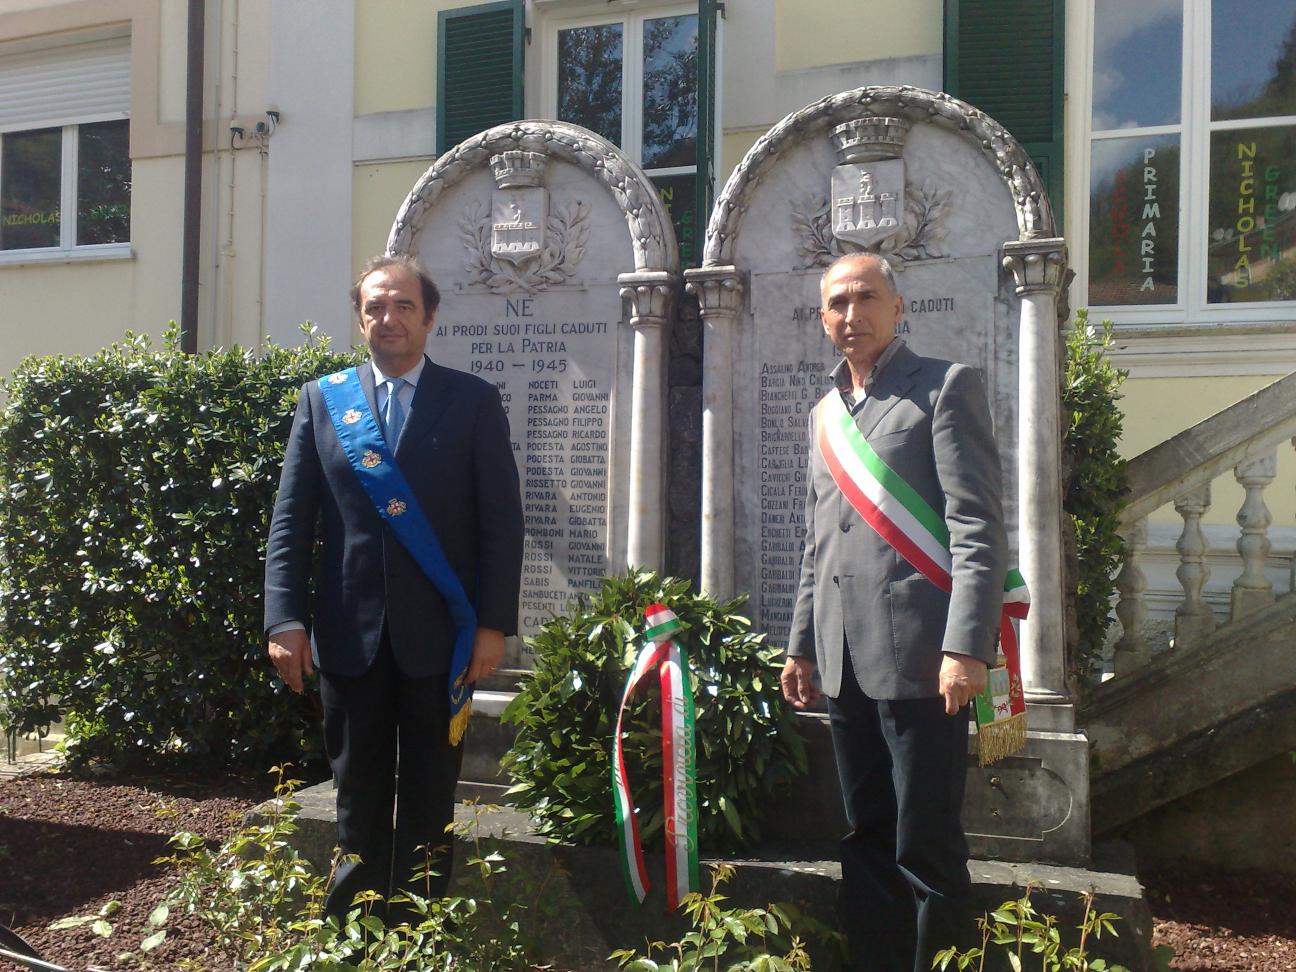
<point x="905" y="520"/>
<point x="678" y="765"/>
<point x="374" y="465"/>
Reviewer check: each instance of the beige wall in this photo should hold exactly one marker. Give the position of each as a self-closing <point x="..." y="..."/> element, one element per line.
<point x="812" y="34"/>
<point x="396" y="43"/>
<point x="1157" y="408"/>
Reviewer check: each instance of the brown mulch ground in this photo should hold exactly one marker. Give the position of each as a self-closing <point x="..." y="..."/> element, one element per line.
<point x="69" y="845"/>
<point x="1224" y="922"/>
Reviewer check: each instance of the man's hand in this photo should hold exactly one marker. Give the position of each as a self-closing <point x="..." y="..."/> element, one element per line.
<point x="488" y="652"/>
<point x="962" y="678"/>
<point x="291" y="654"/>
<point x="798" y="684"/>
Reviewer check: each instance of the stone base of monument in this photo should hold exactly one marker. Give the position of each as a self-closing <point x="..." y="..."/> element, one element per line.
<point x="578" y="897"/>
<point x="1019" y="812"/>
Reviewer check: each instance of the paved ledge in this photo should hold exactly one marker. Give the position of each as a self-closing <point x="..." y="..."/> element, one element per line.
<point x="577" y="894"/>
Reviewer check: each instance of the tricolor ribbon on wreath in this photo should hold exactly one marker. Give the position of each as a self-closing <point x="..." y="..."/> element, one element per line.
<point x="661" y="653"/>
<point x="905" y="520"/>
<point x="375" y="466"/>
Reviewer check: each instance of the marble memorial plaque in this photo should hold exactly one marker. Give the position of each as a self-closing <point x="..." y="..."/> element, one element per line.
<point x="527" y="253"/>
<point x="958" y="304"/>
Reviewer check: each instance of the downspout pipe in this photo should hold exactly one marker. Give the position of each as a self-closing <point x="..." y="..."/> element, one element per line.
<point x="192" y="231"/>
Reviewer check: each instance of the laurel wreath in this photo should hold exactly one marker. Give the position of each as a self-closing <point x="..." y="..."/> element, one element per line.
<point x="566" y="231"/>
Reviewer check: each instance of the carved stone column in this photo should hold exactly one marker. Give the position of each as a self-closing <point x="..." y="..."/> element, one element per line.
<point x="651" y="294"/>
<point x="1132" y="651"/>
<point x="1193" y="618"/>
<point x="1252" y="590"/>
<point x="719" y="291"/>
<point x="1038" y="266"/>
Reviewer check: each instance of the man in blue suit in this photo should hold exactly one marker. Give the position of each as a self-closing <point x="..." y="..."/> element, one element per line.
<point x="380" y="632"/>
<point x="899" y="657"/>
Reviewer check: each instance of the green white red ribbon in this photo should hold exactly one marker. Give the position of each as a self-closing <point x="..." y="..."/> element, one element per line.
<point x="918" y="533"/>
<point x="679" y="772"/>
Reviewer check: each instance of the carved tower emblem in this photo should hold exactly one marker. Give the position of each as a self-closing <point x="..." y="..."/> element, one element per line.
<point x="520" y="207"/>
<point x="520" y="246"/>
<point x="868" y="189"/>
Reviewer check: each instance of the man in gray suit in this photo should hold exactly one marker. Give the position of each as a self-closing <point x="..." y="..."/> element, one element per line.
<point x="899" y="657"/>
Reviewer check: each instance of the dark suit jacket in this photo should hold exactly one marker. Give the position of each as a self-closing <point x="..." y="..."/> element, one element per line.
<point x="928" y="420"/>
<point x="456" y="455"/>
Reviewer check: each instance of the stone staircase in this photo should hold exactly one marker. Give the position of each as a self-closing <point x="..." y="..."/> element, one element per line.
<point x="1221" y="697"/>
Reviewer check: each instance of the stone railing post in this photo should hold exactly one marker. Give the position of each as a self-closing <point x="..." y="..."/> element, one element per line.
<point x="651" y="294"/>
<point x="1038" y="266"/>
<point x="1193" y="618"/>
<point x="719" y="291"/>
<point x="1252" y="590"/>
<point x="1132" y="650"/>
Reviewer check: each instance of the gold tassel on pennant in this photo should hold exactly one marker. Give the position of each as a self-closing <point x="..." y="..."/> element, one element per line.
<point x="1000" y="739"/>
<point x="459" y="723"/>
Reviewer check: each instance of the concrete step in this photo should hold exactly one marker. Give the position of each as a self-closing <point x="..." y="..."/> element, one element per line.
<point x="586" y="912"/>
<point x="1193" y="716"/>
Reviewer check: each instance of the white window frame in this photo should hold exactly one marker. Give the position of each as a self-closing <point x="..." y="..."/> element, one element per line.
<point x="1191" y="315"/>
<point x="67" y="248"/>
<point x="632" y="70"/>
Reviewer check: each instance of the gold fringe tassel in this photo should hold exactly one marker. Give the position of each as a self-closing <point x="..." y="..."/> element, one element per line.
<point x="459" y="723"/>
<point x="1000" y="739"/>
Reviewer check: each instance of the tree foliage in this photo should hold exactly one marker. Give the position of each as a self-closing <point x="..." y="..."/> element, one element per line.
<point x="135" y="492"/>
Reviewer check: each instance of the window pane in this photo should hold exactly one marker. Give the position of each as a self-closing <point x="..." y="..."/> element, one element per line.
<point x="1252" y="253"/>
<point x="103" y="183"/>
<point x="679" y="195"/>
<point x="670" y="91"/>
<point x="1138" y="49"/>
<point x="1134" y="221"/>
<point x="1253" y="58"/>
<point x="589" y="78"/>
<point x="31" y="173"/>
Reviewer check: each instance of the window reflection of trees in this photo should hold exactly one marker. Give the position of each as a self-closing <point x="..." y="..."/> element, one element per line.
<point x="670" y="92"/>
<point x="589" y="78"/>
<point x="103" y="183"/>
<point x="30" y="185"/>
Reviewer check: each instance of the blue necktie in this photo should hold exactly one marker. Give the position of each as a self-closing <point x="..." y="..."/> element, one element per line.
<point x="394" y="413"/>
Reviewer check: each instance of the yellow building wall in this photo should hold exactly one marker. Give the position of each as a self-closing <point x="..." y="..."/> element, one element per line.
<point x="396" y="43"/>
<point x="814" y="33"/>
<point x="377" y="192"/>
<point x="1157" y="408"/>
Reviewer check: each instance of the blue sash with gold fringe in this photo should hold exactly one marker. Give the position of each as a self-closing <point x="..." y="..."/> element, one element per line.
<point x="366" y="450"/>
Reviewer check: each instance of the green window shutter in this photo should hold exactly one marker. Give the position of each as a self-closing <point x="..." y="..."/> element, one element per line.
<point x="1006" y="58"/>
<point x="479" y="69"/>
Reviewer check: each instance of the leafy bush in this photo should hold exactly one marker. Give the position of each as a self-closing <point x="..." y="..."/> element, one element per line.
<point x="748" y="748"/>
<point x="733" y="939"/>
<point x="135" y="491"/>
<point x="265" y="903"/>
<point x="1022" y="935"/>
<point x="1096" y="484"/>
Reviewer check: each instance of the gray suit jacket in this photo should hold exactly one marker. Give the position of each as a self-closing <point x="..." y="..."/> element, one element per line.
<point x="929" y="421"/>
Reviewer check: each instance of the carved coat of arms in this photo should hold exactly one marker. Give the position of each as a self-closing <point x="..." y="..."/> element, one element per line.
<point x="519" y="245"/>
<point x="871" y="206"/>
<point x="868" y="201"/>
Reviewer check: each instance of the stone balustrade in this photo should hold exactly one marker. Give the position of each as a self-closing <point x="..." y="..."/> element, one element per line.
<point x="1243" y="440"/>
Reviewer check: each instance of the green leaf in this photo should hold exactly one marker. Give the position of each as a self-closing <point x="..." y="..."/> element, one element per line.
<point x="153" y="941"/>
<point x="101" y="927"/>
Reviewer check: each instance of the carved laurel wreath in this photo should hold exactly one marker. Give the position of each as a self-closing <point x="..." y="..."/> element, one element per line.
<point x="918" y="238"/>
<point x="565" y="234"/>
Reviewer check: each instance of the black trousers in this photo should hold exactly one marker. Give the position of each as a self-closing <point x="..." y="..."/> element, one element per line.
<point x="387" y="737"/>
<point x="905" y="891"/>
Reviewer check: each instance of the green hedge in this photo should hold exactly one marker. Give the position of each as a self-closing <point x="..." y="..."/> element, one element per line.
<point x="135" y="491"/>
<point x="1096" y="484"/>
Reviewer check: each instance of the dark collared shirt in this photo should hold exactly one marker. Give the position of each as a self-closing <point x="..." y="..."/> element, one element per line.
<point x="846" y="385"/>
